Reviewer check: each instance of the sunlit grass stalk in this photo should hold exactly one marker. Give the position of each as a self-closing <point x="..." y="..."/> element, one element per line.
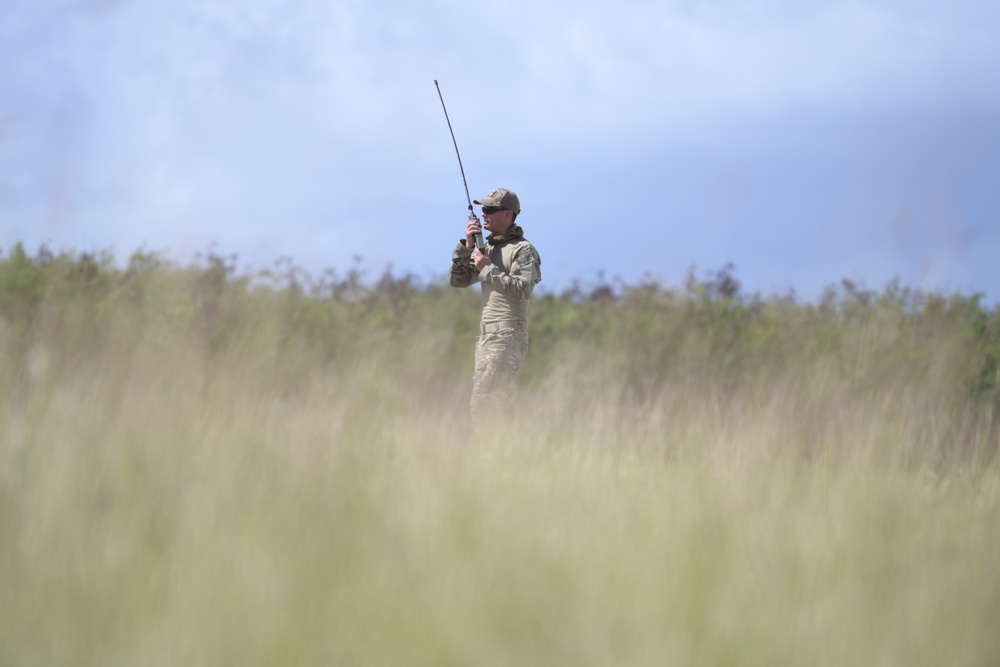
<point x="205" y="475"/>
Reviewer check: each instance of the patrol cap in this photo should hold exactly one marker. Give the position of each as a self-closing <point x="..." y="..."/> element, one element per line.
<point x="501" y="198"/>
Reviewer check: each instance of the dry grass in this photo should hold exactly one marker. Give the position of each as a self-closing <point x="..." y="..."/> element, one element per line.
<point x="163" y="504"/>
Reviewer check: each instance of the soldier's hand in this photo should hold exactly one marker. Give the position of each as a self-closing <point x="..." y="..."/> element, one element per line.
<point x="471" y="230"/>
<point x="480" y="260"/>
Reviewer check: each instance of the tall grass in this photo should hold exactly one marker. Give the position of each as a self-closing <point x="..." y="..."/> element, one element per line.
<point x="199" y="467"/>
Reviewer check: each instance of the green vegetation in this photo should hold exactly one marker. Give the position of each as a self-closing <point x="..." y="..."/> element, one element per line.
<point x="200" y="467"/>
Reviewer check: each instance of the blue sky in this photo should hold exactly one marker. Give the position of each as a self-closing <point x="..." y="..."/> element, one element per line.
<point x="804" y="142"/>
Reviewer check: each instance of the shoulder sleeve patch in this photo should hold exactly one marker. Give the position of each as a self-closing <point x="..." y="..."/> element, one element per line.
<point x="526" y="256"/>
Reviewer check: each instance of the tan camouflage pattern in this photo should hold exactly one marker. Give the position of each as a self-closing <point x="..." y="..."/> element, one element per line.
<point x="499" y="359"/>
<point x="501" y="197"/>
<point x="507" y="285"/>
<point x="507" y="282"/>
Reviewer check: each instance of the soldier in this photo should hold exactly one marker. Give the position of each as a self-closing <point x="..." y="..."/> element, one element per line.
<point x="509" y="269"/>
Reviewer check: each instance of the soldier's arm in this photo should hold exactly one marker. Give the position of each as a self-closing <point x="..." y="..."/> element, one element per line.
<point x="525" y="273"/>
<point x="463" y="273"/>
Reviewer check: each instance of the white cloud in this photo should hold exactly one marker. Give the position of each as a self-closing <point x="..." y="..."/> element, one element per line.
<point x="362" y="73"/>
<point x="655" y="66"/>
<point x="221" y="119"/>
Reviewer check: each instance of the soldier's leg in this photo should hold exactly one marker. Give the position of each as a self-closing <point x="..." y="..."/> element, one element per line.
<point x="499" y="359"/>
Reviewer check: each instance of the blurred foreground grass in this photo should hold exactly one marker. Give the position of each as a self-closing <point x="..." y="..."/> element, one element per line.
<point x="198" y="470"/>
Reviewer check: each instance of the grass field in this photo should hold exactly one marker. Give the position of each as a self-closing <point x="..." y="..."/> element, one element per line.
<point x="194" y="484"/>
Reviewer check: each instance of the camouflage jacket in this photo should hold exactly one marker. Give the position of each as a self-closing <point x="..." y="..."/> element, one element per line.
<point x="507" y="282"/>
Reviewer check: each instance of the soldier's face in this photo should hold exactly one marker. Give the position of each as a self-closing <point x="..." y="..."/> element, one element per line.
<point x="498" y="222"/>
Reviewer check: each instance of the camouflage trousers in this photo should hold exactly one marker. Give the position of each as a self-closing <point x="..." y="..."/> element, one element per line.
<point x="499" y="358"/>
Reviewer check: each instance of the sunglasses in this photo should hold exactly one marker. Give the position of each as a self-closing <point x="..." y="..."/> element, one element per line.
<point x="492" y="209"/>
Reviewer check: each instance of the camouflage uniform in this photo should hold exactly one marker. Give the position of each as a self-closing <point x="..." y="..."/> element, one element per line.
<point x="503" y="331"/>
